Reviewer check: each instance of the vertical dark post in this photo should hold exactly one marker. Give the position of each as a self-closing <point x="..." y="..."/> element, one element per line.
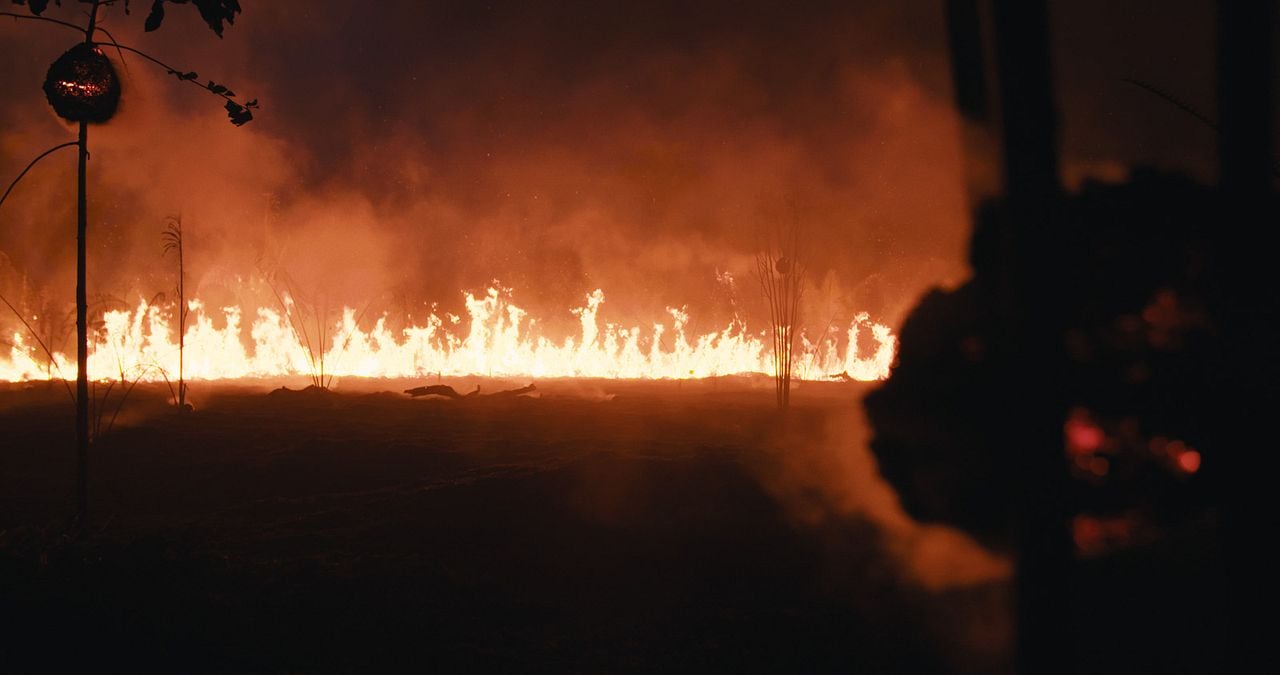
<point x="1244" y="98"/>
<point x="968" y="37"/>
<point x="1027" y="107"/>
<point x="968" y="63"/>
<point x="1248" y="308"/>
<point x="182" y="321"/>
<point x="82" y="310"/>
<point x="1032" y="298"/>
<point x="82" y="336"/>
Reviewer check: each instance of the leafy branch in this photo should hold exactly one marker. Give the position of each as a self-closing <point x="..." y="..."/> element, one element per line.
<point x="239" y="113"/>
<point x="214" y="12"/>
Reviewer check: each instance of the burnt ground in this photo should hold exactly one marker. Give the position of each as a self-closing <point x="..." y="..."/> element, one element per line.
<point x="601" y="527"/>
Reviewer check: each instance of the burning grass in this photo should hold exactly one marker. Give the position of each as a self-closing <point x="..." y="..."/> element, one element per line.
<point x="500" y="339"/>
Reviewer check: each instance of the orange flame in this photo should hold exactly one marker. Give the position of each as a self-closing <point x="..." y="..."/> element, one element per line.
<point x="499" y="342"/>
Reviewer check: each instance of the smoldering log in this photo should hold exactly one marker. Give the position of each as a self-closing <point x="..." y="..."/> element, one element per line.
<point x="449" y="392"/>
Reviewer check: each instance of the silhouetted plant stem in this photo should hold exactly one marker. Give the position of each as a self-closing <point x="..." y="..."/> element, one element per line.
<point x="173" y="242"/>
<point x="781" y="273"/>
<point x="78" y="29"/>
<point x="182" y="326"/>
<point x="42" y="155"/>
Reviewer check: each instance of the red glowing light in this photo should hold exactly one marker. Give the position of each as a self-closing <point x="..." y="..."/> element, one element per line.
<point x="1189" y="461"/>
<point x="1082" y="435"/>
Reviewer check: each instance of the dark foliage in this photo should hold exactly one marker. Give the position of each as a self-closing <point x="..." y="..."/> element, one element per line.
<point x="1141" y="344"/>
<point x="37" y="6"/>
<point x="214" y="12"/>
<point x="155" y="17"/>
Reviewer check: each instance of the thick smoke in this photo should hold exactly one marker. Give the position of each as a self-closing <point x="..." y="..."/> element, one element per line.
<point x="408" y="152"/>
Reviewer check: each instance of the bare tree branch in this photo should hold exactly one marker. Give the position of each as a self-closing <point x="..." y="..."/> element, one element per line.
<point x="46" y="19"/>
<point x="33" y="163"/>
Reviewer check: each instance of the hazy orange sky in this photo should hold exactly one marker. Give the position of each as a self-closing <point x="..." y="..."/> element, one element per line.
<point x="407" y="150"/>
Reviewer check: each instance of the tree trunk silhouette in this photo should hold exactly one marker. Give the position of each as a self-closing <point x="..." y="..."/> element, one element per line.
<point x="82" y="335"/>
<point x="1028" y="295"/>
<point x="82" y="309"/>
<point x="1034" y="361"/>
<point x="1248" y="307"/>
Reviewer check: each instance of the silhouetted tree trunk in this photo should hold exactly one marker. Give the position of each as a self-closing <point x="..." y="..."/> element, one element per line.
<point x="82" y="336"/>
<point x="82" y="310"/>
<point x="98" y="104"/>
<point x="1244" y="421"/>
<point x="969" y="37"/>
<point x="1029" y="296"/>
<point x="1033" y="312"/>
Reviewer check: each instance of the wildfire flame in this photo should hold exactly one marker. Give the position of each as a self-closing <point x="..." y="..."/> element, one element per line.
<point x="499" y="341"/>
<point x="81" y="88"/>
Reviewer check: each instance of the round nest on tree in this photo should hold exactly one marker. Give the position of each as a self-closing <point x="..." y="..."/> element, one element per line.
<point x="82" y="85"/>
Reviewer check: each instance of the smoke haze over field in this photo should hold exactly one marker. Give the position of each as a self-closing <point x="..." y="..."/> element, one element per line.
<point x="408" y="151"/>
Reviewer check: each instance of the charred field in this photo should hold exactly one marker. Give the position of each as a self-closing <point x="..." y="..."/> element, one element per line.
<point x="620" y="525"/>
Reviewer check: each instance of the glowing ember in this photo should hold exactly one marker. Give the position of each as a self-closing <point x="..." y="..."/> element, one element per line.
<point x="80" y="88"/>
<point x="1189" y="461"/>
<point x="499" y="342"/>
<point x="1082" y="434"/>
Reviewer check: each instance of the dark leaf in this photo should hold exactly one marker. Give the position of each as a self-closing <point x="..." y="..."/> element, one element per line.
<point x="191" y="75"/>
<point x="38" y="6"/>
<point x="238" y="114"/>
<point x="252" y="104"/>
<point x="155" y="17"/>
<point x="216" y="12"/>
<point x="217" y="88"/>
